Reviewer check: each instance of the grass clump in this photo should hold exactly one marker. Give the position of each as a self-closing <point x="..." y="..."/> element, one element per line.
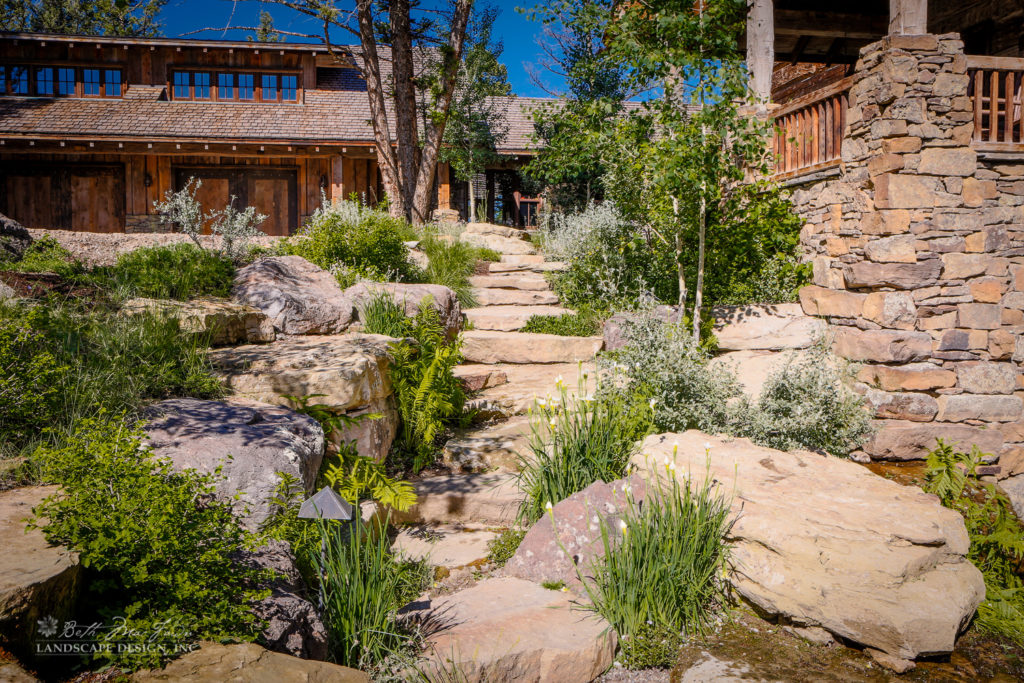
<point x="501" y="549"/>
<point x="583" y="323"/>
<point x="997" y="536"/>
<point x="45" y="255"/>
<point x="381" y="314"/>
<point x="573" y="443"/>
<point x="179" y="271"/>
<point x="660" y="578"/>
<point x="158" y="546"/>
<point x="451" y="263"/>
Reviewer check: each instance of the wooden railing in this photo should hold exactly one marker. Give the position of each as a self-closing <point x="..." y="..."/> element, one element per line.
<point x="996" y="89"/>
<point x="809" y="130"/>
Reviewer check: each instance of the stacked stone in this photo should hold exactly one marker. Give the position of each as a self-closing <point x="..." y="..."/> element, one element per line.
<point x="918" y="258"/>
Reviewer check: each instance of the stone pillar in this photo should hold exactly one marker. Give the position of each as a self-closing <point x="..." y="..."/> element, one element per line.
<point x="918" y="253"/>
<point x="761" y="46"/>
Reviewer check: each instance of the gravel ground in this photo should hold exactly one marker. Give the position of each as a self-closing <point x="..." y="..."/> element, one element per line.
<point x="102" y="249"/>
<point x="617" y="675"/>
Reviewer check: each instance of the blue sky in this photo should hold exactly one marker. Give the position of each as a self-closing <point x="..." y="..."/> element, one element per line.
<point x="518" y="33"/>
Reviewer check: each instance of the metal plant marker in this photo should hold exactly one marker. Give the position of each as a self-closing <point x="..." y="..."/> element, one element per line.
<point x="325" y="504"/>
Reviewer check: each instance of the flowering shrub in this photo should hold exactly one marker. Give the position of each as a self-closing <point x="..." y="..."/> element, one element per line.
<point x="235" y="228"/>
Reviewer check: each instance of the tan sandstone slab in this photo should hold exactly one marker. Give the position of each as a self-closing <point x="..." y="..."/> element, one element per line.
<point x="506" y="629"/>
<point x="522" y="259"/>
<point x="225" y="321"/>
<point x="906" y="440"/>
<point x="528" y="383"/>
<point x="497" y="446"/>
<point x="824" y="542"/>
<point x="528" y="281"/>
<point x="753" y="368"/>
<point x="512" y="264"/>
<point x="882" y="346"/>
<point x="492" y="229"/>
<point x="774" y="327"/>
<point x="509" y="318"/>
<point x="448" y="545"/>
<point x="464" y="498"/>
<point x="502" y="245"/>
<point x="477" y="377"/>
<point x="350" y="371"/>
<point x="490" y="296"/>
<point x="248" y="663"/>
<point x="488" y="346"/>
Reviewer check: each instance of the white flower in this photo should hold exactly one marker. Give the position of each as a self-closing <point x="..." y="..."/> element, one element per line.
<point x="627" y="489"/>
<point x="622" y="526"/>
<point x="653" y="402"/>
<point x="675" y="448"/>
<point x="672" y="467"/>
<point x="553" y="422"/>
<point x="547" y="506"/>
<point x="559" y="381"/>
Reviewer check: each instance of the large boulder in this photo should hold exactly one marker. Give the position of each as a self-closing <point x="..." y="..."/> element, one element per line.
<point x="443" y="299"/>
<point x="38" y="581"/>
<point x="297" y="296"/>
<point x="617" y="327"/>
<point x="254" y="443"/>
<point x="247" y="663"/>
<point x="822" y="542"/>
<point x="503" y="245"/>
<point x="512" y="630"/>
<point x="14" y="239"/>
<point x="773" y="327"/>
<point x="224" y="321"/>
<point x="293" y="625"/>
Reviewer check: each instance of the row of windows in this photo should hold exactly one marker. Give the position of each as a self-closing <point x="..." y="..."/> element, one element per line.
<point x="238" y="87"/>
<point x="49" y="81"/>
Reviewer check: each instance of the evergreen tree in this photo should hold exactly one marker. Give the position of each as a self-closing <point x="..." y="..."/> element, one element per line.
<point x="265" y="32"/>
<point x="138" y="18"/>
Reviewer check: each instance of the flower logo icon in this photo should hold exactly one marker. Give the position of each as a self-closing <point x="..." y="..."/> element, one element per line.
<point x="47" y="626"/>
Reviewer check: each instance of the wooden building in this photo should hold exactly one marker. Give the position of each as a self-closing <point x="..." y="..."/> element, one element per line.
<point x="94" y="130"/>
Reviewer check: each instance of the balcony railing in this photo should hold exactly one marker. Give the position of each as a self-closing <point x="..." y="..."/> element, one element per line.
<point x="809" y="130"/>
<point x="995" y="90"/>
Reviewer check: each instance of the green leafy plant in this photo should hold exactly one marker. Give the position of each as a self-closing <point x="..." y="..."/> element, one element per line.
<point x="46" y="255"/>
<point x="451" y="263"/>
<point x="501" y="549"/>
<point x="381" y="314"/>
<point x="235" y="229"/>
<point x="660" y="578"/>
<point x="575" y="441"/>
<point x="179" y="271"/>
<point x="157" y="543"/>
<point x="584" y="323"/>
<point x="997" y="536"/>
<point x="30" y="376"/>
<point x="429" y="395"/>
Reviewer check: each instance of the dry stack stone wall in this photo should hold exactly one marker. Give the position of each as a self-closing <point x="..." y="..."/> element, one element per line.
<point x="918" y="252"/>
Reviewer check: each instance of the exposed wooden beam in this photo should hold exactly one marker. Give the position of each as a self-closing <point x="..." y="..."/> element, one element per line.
<point x="908" y="17"/>
<point x="761" y="46"/>
<point x="829" y="24"/>
<point x="798" y="49"/>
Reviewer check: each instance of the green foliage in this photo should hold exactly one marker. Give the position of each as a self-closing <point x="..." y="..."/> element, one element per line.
<point x="501" y="549"/>
<point x="157" y="544"/>
<point x="661" y="575"/>
<point x="83" y="17"/>
<point x="428" y="393"/>
<point x="575" y="441"/>
<point x="807" y="403"/>
<point x="583" y="323"/>
<point x="997" y="536"/>
<point x="100" y="360"/>
<point x="352" y="241"/>
<point x="553" y="585"/>
<point x="486" y="254"/>
<point x="180" y="271"/>
<point x="381" y="314"/>
<point x="451" y="263"/>
<point x="30" y="377"/>
<point x="45" y="255"/>
<point x="363" y="586"/>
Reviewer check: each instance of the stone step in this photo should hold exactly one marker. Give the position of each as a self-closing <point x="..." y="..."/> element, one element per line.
<point x="493" y="347"/>
<point x="463" y="498"/>
<point x="527" y="281"/>
<point x="498" y="446"/>
<point x="489" y="296"/>
<point x="528" y="383"/>
<point x="526" y="258"/>
<point x="452" y="546"/>
<point x="503" y="245"/>
<point x="508" y="318"/>
<point x="476" y="377"/>
<point x="492" y="229"/>
<point x="533" y="265"/>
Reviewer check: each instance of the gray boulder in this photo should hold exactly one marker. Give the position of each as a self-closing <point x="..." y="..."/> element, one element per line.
<point x="297" y="296"/>
<point x="14" y="239"/>
<point x="253" y="442"/>
<point x="443" y="299"/>
<point x="616" y="328"/>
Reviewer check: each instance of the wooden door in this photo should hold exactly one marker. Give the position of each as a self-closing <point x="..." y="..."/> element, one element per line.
<point x="29" y="200"/>
<point x="272" y="191"/>
<point x="270" y="197"/>
<point x="83" y="197"/>
<point x="97" y="200"/>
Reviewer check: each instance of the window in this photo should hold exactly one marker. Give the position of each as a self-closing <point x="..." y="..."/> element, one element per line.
<point x="65" y="82"/>
<point x="181" y="91"/>
<point x="112" y="82"/>
<point x="18" y="85"/>
<point x="3" y="80"/>
<point x="246" y="89"/>
<point x="201" y="86"/>
<point x="289" y="88"/>
<point x="90" y="82"/>
<point x="269" y="93"/>
<point x="44" y="81"/>
<point x="225" y="86"/>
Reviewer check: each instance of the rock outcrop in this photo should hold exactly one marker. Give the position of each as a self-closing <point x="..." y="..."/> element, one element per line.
<point x="772" y="328"/>
<point x="443" y="299"/>
<point x="224" y="321"/>
<point x="254" y="443"/>
<point x="823" y="542"/>
<point x="37" y="580"/>
<point x="512" y="630"/>
<point x="297" y="296"/>
<point x="14" y="239"/>
<point x="247" y="663"/>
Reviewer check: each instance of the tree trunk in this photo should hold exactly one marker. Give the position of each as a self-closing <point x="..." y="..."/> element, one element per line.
<point x="406" y="129"/>
<point x="472" y="201"/>
<point x="698" y="294"/>
<point x="435" y="133"/>
<point x="680" y="269"/>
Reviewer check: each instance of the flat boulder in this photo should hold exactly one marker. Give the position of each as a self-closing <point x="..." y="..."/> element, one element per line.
<point x="774" y="327"/>
<point x="823" y="542"/>
<point x="443" y="299"/>
<point x="491" y="498"/>
<point x="501" y="244"/>
<point x="37" y="580"/>
<point x="247" y="663"/>
<point x="297" y="296"/>
<point x="492" y="347"/>
<point x="224" y="321"/>
<point x="498" y="446"/>
<point x="508" y="629"/>
<point x="254" y="443"/>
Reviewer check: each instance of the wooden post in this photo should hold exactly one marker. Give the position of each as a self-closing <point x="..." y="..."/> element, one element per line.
<point x="761" y="46"/>
<point x="444" y="189"/>
<point x="337" y="179"/>
<point x="490" y="197"/>
<point x="908" y="17"/>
